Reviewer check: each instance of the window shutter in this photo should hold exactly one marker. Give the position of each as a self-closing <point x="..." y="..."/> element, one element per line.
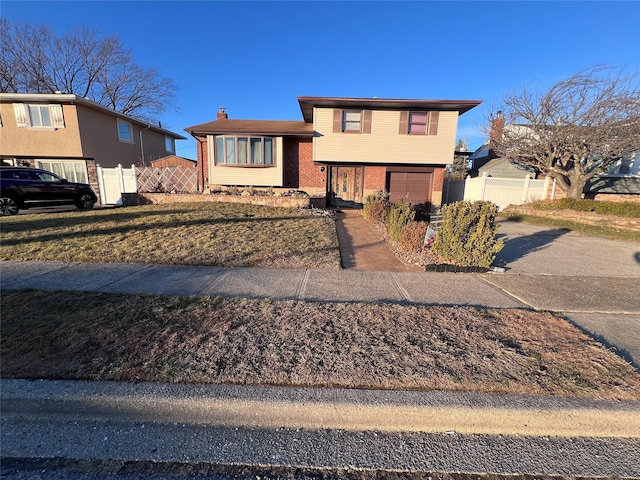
<point x="20" y="109"/>
<point x="404" y="119"/>
<point x="366" y="121"/>
<point x="337" y="120"/>
<point x="433" y="123"/>
<point x="57" y="119"/>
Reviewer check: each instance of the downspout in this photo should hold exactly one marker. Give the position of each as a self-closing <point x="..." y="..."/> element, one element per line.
<point x="142" y="145"/>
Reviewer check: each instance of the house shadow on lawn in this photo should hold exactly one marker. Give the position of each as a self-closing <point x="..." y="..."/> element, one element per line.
<point x="519" y="246"/>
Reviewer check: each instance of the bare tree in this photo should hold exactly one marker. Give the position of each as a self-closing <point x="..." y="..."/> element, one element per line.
<point x="34" y="60"/>
<point x="578" y="129"/>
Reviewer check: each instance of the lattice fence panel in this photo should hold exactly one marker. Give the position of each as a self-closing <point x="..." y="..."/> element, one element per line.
<point x="166" y="180"/>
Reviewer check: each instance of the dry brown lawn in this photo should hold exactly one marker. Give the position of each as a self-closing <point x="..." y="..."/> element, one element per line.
<point x="74" y="335"/>
<point x="222" y="234"/>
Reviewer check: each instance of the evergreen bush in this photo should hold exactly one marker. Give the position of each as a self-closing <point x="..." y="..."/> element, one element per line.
<point x="376" y="207"/>
<point x="399" y="215"/>
<point x="412" y="237"/>
<point x="621" y="209"/>
<point x="467" y="235"/>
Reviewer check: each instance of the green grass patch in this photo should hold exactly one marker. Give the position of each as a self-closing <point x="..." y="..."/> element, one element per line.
<point x="100" y="336"/>
<point x="586" y="229"/>
<point x="221" y="234"/>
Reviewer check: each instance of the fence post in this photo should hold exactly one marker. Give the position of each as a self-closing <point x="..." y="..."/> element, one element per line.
<point x="103" y="192"/>
<point x="484" y="185"/>
<point x="121" y="178"/>
<point x="525" y="192"/>
<point x="134" y="173"/>
<point x="547" y="185"/>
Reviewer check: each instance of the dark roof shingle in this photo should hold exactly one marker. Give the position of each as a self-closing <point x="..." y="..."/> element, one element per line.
<point x="254" y="127"/>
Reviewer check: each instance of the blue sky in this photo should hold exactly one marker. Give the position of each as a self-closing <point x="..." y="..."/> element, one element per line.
<point x="256" y="58"/>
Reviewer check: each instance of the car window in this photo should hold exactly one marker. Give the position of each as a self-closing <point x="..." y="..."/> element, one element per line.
<point x="47" y="177"/>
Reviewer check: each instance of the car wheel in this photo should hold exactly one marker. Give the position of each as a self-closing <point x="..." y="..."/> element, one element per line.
<point x="85" y="201"/>
<point x="8" y="206"/>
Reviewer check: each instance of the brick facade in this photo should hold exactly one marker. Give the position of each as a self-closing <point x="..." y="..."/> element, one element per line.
<point x="312" y="177"/>
<point x="202" y="153"/>
<point x="92" y="173"/>
<point x="375" y="178"/>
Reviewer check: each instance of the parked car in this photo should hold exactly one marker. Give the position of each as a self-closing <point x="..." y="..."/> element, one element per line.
<point x="22" y="187"/>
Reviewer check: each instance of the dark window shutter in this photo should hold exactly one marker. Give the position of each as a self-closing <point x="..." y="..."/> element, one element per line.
<point x="404" y="119"/>
<point x="366" y="121"/>
<point x="433" y="123"/>
<point x="337" y="120"/>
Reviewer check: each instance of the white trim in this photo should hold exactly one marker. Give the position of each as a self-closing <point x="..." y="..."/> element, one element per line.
<point x="119" y="122"/>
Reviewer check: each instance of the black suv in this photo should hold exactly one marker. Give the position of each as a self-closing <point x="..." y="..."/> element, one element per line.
<point x="22" y="187"/>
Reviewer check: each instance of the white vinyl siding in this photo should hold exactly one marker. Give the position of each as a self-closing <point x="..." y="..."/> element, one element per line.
<point x="232" y="174"/>
<point x="384" y="145"/>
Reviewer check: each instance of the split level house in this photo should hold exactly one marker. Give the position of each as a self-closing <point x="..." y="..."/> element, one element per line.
<point x="71" y="135"/>
<point x="341" y="150"/>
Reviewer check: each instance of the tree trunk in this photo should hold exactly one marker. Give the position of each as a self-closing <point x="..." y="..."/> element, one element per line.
<point x="575" y="190"/>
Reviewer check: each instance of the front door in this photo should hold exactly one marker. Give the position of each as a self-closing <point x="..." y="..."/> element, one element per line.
<point x="346" y="185"/>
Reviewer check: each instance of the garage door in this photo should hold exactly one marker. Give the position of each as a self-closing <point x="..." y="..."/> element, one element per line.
<point x="416" y="187"/>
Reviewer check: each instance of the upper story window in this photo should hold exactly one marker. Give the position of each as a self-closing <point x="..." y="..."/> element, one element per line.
<point x="169" y="144"/>
<point x="244" y="151"/>
<point x="125" y="131"/>
<point x="351" y="121"/>
<point x="39" y="116"/>
<point x="419" y="123"/>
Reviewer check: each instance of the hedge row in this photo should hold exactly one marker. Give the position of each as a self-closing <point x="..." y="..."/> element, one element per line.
<point x="466" y="236"/>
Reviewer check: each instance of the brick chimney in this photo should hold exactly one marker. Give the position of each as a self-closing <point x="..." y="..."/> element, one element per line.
<point x="497" y="127"/>
<point x="222" y="114"/>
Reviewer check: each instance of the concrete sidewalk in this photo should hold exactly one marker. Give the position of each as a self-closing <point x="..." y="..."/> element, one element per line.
<point x="604" y="306"/>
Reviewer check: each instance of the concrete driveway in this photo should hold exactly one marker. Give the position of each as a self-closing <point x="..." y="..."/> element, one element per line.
<point x="594" y="282"/>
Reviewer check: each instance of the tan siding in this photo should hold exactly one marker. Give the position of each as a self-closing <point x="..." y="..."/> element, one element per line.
<point x="246" y="176"/>
<point x="99" y="133"/>
<point x="384" y="144"/>
<point x="38" y="142"/>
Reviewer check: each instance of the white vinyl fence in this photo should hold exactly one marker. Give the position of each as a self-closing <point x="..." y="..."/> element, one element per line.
<point x="114" y="182"/>
<point x="506" y="191"/>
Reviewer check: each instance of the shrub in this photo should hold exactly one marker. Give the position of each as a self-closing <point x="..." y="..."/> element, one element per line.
<point x="399" y="215"/>
<point x="467" y="235"/>
<point x="376" y="207"/>
<point x="412" y="237"/>
<point x="621" y="209"/>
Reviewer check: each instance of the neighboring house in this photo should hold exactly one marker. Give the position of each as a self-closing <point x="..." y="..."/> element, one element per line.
<point x="70" y="135"/>
<point x="480" y="158"/>
<point x="173" y="161"/>
<point x="343" y="149"/>
<point x="501" y="167"/>
<point x="622" y="179"/>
